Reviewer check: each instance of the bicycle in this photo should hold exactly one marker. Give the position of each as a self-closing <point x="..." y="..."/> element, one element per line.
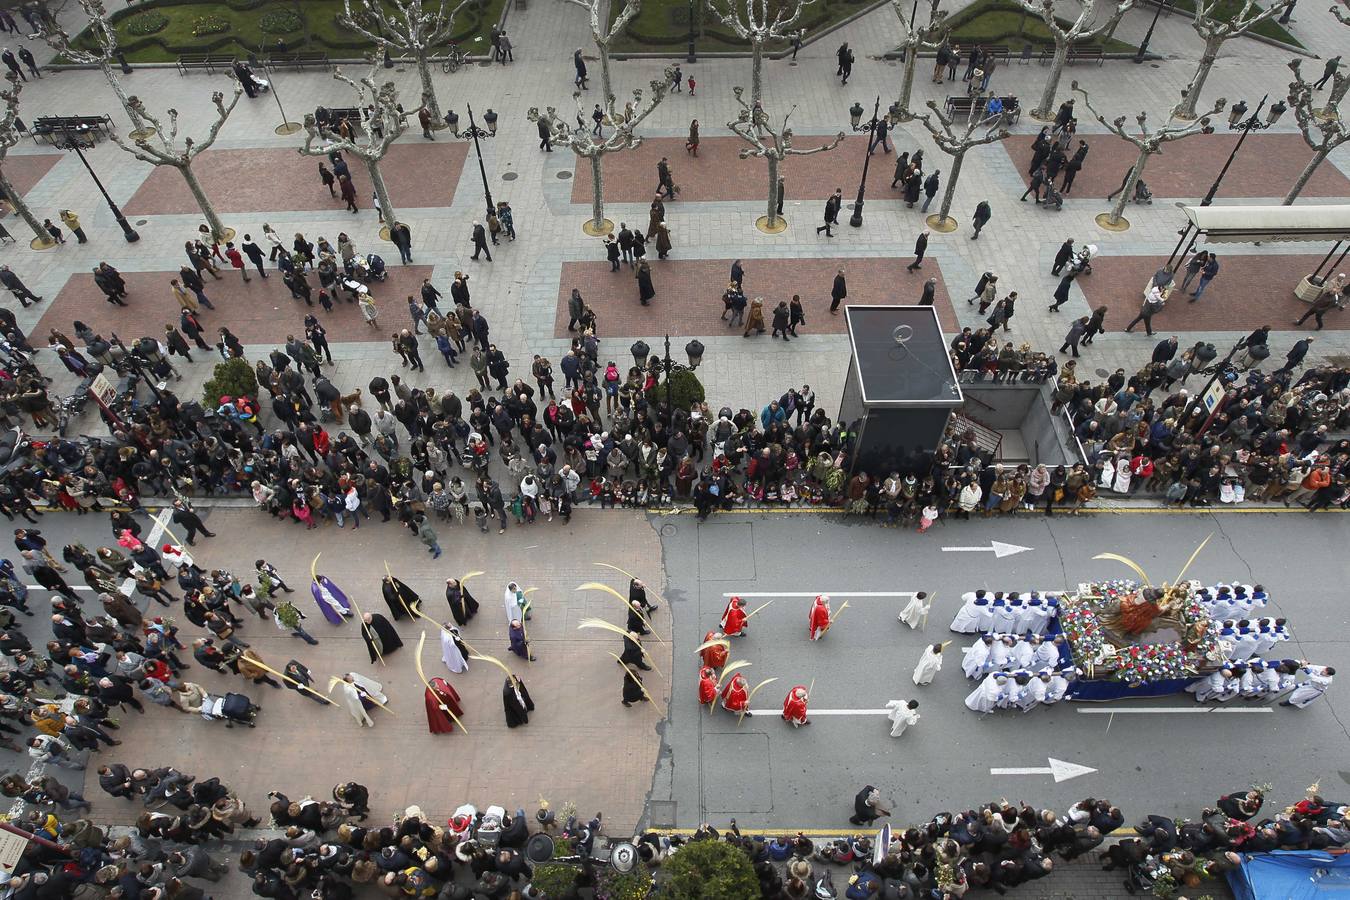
<point x="454" y="58"/>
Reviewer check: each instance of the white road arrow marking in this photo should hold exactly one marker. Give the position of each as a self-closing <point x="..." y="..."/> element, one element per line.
<point x="998" y="548"/>
<point x="1061" y="770"/>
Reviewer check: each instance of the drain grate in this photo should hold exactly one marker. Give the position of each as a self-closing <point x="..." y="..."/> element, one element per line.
<point x="510" y="176"/>
<point x="564" y="175"/>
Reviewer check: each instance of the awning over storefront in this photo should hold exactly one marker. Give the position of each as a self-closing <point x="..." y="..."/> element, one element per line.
<point x="1248" y="224"/>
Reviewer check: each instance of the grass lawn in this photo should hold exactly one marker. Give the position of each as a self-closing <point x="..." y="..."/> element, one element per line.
<point x="1225" y="11"/>
<point x="1001" y="22"/>
<point x="241" y="28"/>
<point x="662" y="26"/>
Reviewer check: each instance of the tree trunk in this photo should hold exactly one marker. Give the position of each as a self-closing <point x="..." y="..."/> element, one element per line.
<point x="22" y="209"/>
<point x="1186" y="108"/>
<point x="1136" y="173"/>
<point x="209" y="211"/>
<point x="1306" y="175"/>
<point x="428" y="89"/>
<point x="598" y="200"/>
<point x="773" y="192"/>
<point x="605" y="86"/>
<point x="116" y="84"/>
<point x="756" y="73"/>
<point x="377" y="181"/>
<point x="1047" y="107"/>
<point x="1339" y="86"/>
<point x="907" y="82"/>
<point x="955" y="173"/>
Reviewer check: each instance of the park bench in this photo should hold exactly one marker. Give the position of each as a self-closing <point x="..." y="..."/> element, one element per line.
<point x="1000" y="52"/>
<point x="207" y="61"/>
<point x="336" y="114"/>
<point x="309" y="60"/>
<point x="55" y="128"/>
<point x="960" y="107"/>
<point x="1086" y="53"/>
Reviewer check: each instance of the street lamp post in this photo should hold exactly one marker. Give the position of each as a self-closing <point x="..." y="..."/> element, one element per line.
<point x="1148" y="35"/>
<point x="286" y="126"/>
<point x="856" y="219"/>
<point x="693" y="56"/>
<point x="473" y="132"/>
<point x="72" y="142"/>
<point x="1246" y="126"/>
<point x="669" y="367"/>
<point x="135" y="365"/>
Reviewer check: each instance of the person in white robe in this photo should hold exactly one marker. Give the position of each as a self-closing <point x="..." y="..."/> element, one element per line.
<point x="985" y="614"/>
<point x="930" y="663"/>
<point x="1318" y="680"/>
<point x="1000" y="654"/>
<point x="1269" y="676"/>
<point x="1232" y="685"/>
<point x="355" y="688"/>
<point x="915" y="613"/>
<point x="1024" y="651"/>
<point x="514" y="601"/>
<point x="989" y="694"/>
<point x="1004" y="617"/>
<point x="967" y="617"/>
<point x="903" y="713"/>
<point x="1046" y="654"/>
<point x="1250" y="684"/>
<point x="1244" y="644"/>
<point x="1209" y="687"/>
<point x="1121" y="484"/>
<point x="1036" y="690"/>
<point x="976" y="654"/>
<point x="1059" y="685"/>
<point x="1015" y="691"/>
<point x="453" y="653"/>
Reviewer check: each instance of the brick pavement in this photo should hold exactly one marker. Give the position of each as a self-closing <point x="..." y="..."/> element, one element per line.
<point x="1268" y="166"/>
<point x="301" y="747"/>
<point x="688" y="298"/>
<point x="718" y="173"/>
<point x="243" y="181"/>
<point x="260" y="312"/>
<point x="1249" y="291"/>
<point x="25" y="170"/>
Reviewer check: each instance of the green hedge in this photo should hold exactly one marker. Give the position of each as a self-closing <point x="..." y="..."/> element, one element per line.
<point x="1005" y="22"/>
<point x="148" y="23"/>
<point x="664" y="25"/>
<point x="319" y="29"/>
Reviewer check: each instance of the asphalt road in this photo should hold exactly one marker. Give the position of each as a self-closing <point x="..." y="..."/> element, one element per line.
<point x="767" y="774"/>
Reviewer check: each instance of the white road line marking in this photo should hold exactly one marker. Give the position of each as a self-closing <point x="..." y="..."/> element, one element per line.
<point x="827" y="712"/>
<point x="818" y="593"/>
<point x="1178" y="709"/>
<point x="998" y="548"/>
<point x="73" y="587"/>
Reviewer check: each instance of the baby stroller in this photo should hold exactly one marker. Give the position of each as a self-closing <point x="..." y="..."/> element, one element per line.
<point x="234" y="708"/>
<point x="489" y="830"/>
<point x="375" y="269"/>
<point x="1142" y="194"/>
<point x="1053" y="198"/>
<point x="1082" y="263"/>
<point x="1141" y="875"/>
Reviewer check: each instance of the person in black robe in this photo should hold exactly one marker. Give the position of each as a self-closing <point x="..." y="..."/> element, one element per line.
<point x="632" y="652"/>
<point x="380" y="637"/>
<point x="297" y="671"/>
<point x="637" y="593"/>
<point x="636" y="625"/>
<point x="632" y="688"/>
<point x="401" y="599"/>
<point x="462" y="604"/>
<point x="516" y="701"/>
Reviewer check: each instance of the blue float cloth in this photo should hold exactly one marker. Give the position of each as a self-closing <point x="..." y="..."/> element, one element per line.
<point x="1291" y="875"/>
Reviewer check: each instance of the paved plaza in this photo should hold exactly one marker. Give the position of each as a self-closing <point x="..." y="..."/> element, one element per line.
<point x="669" y="764"/>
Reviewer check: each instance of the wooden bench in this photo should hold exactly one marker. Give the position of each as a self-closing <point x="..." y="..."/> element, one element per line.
<point x="208" y="61"/>
<point x="336" y="114"/>
<point x="54" y="128"/>
<point x="1000" y="52"/>
<point x="1086" y="53"/>
<point x="309" y="60"/>
<point x="961" y="107"/>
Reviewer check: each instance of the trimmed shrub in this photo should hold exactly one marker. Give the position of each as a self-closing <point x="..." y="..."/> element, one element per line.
<point x="280" y="21"/>
<point x="147" y="23"/>
<point x="231" y="378"/>
<point x="710" y="870"/>
<point x="685" y="388"/>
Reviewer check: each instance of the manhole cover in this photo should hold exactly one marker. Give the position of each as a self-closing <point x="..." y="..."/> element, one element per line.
<point x="792" y="64"/>
<point x="1102" y="373"/>
<point x="564" y="175"/>
<point x="510" y="176"/>
<point x="141" y="221"/>
<point x="668" y="530"/>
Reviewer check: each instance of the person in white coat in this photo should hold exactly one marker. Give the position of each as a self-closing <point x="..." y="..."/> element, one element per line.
<point x="990" y="693"/>
<point x="929" y="664"/>
<point x="976" y="654"/>
<point x="1211" y="687"/>
<point x="1318" y="680"/>
<point x="915" y="613"/>
<point x="903" y="713"/>
<point x="1036" y="690"/>
<point x="454" y="653"/>
<point x="357" y="691"/>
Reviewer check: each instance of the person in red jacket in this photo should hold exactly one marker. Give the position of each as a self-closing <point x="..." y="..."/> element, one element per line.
<point x="733" y="618"/>
<point x="794" y="706"/>
<point x="819" y="621"/>
<point x="735" y="696"/>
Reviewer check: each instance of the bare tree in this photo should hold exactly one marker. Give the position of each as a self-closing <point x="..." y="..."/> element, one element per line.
<point x="1322" y="129"/>
<point x="383" y="127"/>
<point x="105" y="35"/>
<point x="410" y="26"/>
<point x="916" y="39"/>
<point x="1082" y="28"/>
<point x="758" y="22"/>
<point x="956" y="142"/>
<point x="164" y="151"/>
<point x="1214" y="31"/>
<point x="752" y="126"/>
<point x="1340" y="15"/>
<point x="9" y="136"/>
<point x="576" y="136"/>
<point x="1146" y="142"/>
<point x="603" y="36"/>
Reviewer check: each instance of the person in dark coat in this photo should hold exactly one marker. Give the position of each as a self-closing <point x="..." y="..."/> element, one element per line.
<point x="983" y="213"/>
<point x="633" y="691"/>
<point x="463" y="606"/>
<point x="380" y="637"/>
<point x="401" y="599"/>
<point x="920" y="248"/>
<point x="1061" y="294"/>
<point x="838" y="292"/>
<point x="1062" y="257"/>
<point x="780" y="320"/>
<point x="516" y="702"/>
<point x="929" y="292"/>
<point x="644" y="279"/>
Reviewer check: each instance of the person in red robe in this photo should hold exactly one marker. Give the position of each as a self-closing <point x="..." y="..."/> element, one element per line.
<point x="794" y="706"/>
<point x="735" y="697"/>
<point x="707" y="686"/>
<point x="716" y="657"/>
<point x="733" y="619"/>
<point x="819" y="621"/>
<point x="439" y="695"/>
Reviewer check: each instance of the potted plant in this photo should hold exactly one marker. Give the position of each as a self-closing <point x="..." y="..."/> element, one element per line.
<point x="710" y="870"/>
